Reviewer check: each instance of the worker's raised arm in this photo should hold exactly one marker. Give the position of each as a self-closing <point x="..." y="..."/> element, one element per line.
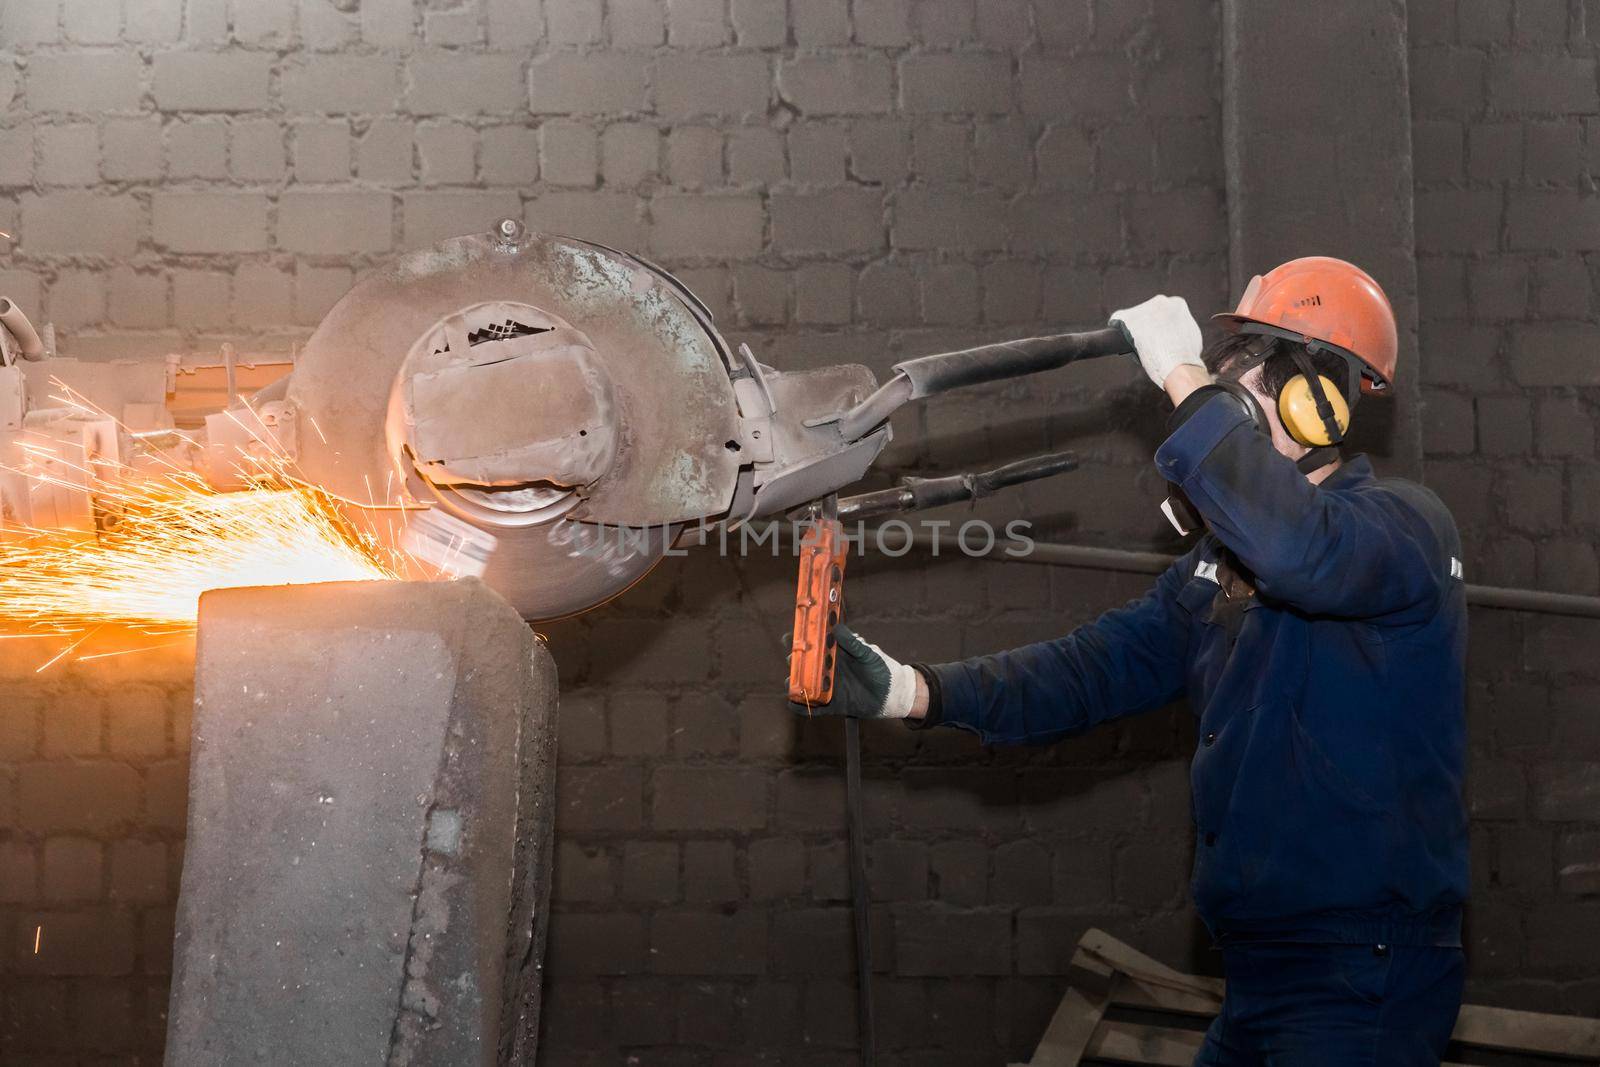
<point x="1347" y="547"/>
<point x="1127" y="661"/>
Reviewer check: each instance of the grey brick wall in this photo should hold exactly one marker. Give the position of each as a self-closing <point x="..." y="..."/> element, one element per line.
<point x="1505" y="113"/>
<point x="840" y="180"/>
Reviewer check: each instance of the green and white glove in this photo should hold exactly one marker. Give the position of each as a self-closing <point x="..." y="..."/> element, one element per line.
<point x="1165" y="335"/>
<point x="867" y="682"/>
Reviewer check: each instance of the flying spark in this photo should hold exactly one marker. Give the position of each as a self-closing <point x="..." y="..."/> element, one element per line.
<point x="168" y="537"/>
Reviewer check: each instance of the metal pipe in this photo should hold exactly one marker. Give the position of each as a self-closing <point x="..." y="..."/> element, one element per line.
<point x="1122" y="561"/>
<point x="1115" y="559"/>
<point x="28" y="342"/>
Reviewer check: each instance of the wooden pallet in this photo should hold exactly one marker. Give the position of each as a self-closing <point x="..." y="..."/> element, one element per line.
<point x="1109" y="975"/>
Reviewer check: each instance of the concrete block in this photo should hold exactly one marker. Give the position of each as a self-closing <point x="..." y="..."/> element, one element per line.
<point x="709" y="798"/>
<point x="369" y="839"/>
<point x="197" y="148"/>
<point x="637" y="23"/>
<point x="68" y="155"/>
<point x="255" y="150"/>
<point x="508" y="155"/>
<point x="29" y="22"/>
<point x="940" y="940"/>
<point x="459" y="84"/>
<point x="690" y="942"/>
<point x="1539" y="84"/>
<point x="93" y="942"/>
<point x="50" y="796"/>
<point x="885" y="23"/>
<point x="594" y="83"/>
<point x="80" y="223"/>
<point x="1447" y="81"/>
<point x="609" y="943"/>
<point x="569" y="154"/>
<point x="760" y="23"/>
<point x="958" y="82"/>
<point x="321" y="151"/>
<point x="16" y="157"/>
<point x="949" y="23"/>
<point x="944" y="217"/>
<point x="706" y="225"/>
<point x="630" y="153"/>
<point x="72" y="869"/>
<point x="427" y="218"/>
<point x="264" y="22"/>
<point x="317" y="289"/>
<point x="613" y="219"/>
<point x="206" y="81"/>
<point x="339" y="84"/>
<point x="21" y="863"/>
<point x="137" y="299"/>
<point x="572" y="21"/>
<point x="334" y="223"/>
<point x="690" y="85"/>
<point x="452" y="28"/>
<point x="153" y="21"/>
<point x="210" y="222"/>
<point x="839" y="220"/>
<point x="650" y="871"/>
<point x="847" y="85"/>
<point x="132" y="149"/>
<point x="384" y="154"/>
<point x="88" y="82"/>
<point x="696" y="23"/>
<point x="514" y="24"/>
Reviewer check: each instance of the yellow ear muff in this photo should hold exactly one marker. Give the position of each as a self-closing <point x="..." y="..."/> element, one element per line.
<point x="1297" y="407"/>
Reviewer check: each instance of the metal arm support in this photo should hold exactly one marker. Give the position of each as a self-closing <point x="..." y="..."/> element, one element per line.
<point x="914" y="494"/>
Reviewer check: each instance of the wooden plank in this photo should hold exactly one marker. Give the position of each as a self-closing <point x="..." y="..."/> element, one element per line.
<point x="1156" y="1046"/>
<point x="1122" y="1042"/>
<point x="1198" y="995"/>
<point x="1137" y="981"/>
<point x="1070" y="1029"/>
<point x="1129" y="993"/>
<point x="1526" y="1031"/>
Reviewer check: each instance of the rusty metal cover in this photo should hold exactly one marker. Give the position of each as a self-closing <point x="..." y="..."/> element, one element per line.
<point x="675" y="403"/>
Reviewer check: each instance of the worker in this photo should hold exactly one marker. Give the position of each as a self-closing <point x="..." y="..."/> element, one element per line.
<point x="1318" y="629"/>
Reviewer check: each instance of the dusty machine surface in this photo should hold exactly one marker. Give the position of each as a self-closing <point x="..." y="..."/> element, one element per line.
<point x="543" y="411"/>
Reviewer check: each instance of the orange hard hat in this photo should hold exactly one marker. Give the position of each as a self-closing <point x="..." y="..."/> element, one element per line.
<point x="1327" y="303"/>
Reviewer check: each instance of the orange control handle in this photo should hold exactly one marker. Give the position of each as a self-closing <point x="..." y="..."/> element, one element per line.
<point x="818" y="605"/>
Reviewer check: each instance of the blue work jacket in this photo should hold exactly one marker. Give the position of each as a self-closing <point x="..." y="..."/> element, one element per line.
<point x="1327" y="782"/>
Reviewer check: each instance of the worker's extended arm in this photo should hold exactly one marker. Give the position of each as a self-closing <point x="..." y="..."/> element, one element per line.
<point x="1363" y="551"/>
<point x="1127" y="661"/>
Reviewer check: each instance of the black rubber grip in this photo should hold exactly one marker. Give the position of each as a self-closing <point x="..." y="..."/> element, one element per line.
<point x="1010" y="359"/>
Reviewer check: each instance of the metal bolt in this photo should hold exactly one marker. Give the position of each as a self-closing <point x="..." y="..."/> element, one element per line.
<point x="510" y="232"/>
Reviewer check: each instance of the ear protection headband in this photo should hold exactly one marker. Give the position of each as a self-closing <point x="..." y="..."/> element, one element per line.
<point x="1313" y="412"/>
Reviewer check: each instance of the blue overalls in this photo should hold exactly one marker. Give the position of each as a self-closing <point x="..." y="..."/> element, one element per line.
<point x="1331" y="831"/>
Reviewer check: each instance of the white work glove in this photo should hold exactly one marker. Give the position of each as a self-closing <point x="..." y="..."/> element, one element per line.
<point x="868" y="683"/>
<point x="1165" y="335"/>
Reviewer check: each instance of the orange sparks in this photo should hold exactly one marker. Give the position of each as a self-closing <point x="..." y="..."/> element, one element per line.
<point x="168" y="538"/>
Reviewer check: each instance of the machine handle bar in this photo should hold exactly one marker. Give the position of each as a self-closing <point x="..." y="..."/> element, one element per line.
<point x="927" y="375"/>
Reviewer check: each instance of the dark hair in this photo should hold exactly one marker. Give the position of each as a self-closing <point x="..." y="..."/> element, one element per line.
<point x="1279" y="366"/>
